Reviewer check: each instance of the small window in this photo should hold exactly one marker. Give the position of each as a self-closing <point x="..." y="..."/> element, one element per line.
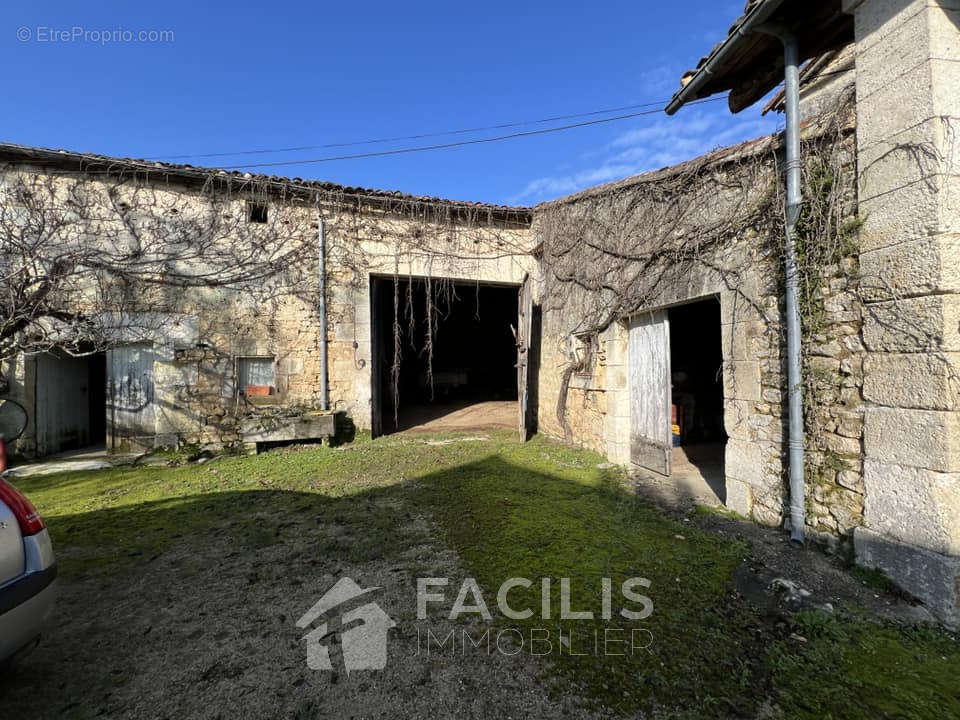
<point x="256" y="375"/>
<point x="257" y="212"/>
<point x="584" y="354"/>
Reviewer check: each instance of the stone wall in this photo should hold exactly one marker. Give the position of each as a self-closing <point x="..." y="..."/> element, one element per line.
<point x="743" y="269"/>
<point x="372" y="245"/>
<point x="908" y="76"/>
<point x="834" y="405"/>
<point x="196" y="335"/>
<point x="588" y="405"/>
<point x="741" y="272"/>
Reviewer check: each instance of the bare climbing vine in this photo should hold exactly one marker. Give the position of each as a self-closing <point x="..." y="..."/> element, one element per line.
<point x="119" y="251"/>
<point x="620" y="249"/>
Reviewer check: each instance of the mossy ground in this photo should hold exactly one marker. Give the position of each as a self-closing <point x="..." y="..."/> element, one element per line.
<point x="536" y="510"/>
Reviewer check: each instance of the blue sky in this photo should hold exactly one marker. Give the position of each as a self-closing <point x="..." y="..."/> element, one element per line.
<point x="245" y="76"/>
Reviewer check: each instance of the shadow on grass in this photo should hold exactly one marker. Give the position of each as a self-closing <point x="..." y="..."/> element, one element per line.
<point x="507" y="516"/>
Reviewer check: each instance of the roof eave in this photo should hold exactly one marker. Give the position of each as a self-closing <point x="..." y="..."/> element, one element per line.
<point x="757" y="16"/>
<point x="80" y="162"/>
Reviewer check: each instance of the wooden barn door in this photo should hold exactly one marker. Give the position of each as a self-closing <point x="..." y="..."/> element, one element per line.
<point x="524" y="343"/>
<point x="62" y="403"/>
<point x="131" y="411"/>
<point x="651" y="438"/>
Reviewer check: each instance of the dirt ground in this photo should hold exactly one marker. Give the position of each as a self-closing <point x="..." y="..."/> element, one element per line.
<point x="209" y="632"/>
<point x="824" y="575"/>
<point x="489" y="415"/>
<point x="182" y="587"/>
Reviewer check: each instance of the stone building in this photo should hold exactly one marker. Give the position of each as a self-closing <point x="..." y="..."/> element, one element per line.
<point x="646" y="310"/>
<point x="240" y="358"/>
<point x="880" y="363"/>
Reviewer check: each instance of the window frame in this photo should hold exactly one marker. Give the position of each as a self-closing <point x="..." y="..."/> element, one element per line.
<point x="240" y="390"/>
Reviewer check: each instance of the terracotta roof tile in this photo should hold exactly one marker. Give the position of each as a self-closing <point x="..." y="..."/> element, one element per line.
<point x="94" y="162"/>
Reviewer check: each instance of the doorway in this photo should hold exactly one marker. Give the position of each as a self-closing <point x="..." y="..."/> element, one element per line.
<point x="70" y="397"/>
<point x="676" y="396"/>
<point x="456" y="346"/>
<point x="696" y="361"/>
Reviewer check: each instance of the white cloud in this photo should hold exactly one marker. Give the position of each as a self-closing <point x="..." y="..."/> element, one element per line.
<point x="661" y="143"/>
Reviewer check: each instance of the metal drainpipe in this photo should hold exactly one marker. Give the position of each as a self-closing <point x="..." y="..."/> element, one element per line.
<point x="322" y="309"/>
<point x="794" y="342"/>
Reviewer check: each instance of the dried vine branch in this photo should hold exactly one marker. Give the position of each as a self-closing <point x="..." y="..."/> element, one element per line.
<point x="614" y="251"/>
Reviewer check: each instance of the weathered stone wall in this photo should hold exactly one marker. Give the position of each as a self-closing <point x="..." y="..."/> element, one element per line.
<point x="196" y="334"/>
<point x="587" y="402"/>
<point x="370" y="245"/>
<point x="740" y="272"/>
<point x="290" y="330"/>
<point x="834" y="404"/>
<point x="742" y="267"/>
<point x="14" y="371"/>
<point x="908" y="77"/>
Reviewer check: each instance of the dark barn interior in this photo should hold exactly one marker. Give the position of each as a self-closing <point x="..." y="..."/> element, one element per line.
<point x="696" y="359"/>
<point x="470" y="377"/>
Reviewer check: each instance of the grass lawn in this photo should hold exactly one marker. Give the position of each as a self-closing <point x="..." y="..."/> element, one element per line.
<point x="539" y="510"/>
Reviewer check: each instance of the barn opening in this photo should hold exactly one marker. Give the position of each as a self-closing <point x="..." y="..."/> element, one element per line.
<point x="70" y="395"/>
<point x="457" y="354"/>
<point x="696" y="362"/>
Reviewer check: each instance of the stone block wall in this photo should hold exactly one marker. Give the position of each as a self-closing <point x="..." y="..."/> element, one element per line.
<point x="908" y="78"/>
<point x="197" y="335"/>
<point x="744" y="272"/>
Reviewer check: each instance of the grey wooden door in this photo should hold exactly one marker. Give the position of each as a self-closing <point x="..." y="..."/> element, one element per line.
<point x="524" y="340"/>
<point x="62" y="403"/>
<point x="131" y="411"/>
<point x="651" y="439"/>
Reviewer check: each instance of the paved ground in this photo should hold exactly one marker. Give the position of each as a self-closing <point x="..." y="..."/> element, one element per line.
<point x="91" y="458"/>
<point x="698" y="472"/>
<point x="697" y="478"/>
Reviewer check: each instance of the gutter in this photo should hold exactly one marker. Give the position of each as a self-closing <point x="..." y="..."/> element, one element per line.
<point x="756" y="17"/>
<point x="794" y="204"/>
<point x="756" y="22"/>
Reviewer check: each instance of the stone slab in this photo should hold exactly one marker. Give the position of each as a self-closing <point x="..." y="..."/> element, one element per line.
<point x="312" y="427"/>
<point x="928" y="439"/>
<point x="912" y="505"/>
<point x="928" y="576"/>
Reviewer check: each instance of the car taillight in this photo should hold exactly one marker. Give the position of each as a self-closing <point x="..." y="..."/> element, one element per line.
<point x="27" y="516"/>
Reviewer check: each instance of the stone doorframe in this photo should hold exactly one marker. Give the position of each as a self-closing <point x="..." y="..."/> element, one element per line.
<point x="752" y="400"/>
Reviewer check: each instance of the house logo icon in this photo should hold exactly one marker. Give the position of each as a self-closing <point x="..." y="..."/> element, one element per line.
<point x="361" y="626"/>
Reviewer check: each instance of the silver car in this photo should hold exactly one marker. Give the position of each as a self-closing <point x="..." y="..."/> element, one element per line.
<point x="28" y="574"/>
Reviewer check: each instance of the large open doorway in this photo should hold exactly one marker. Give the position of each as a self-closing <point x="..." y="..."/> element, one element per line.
<point x="696" y="361"/>
<point x="457" y="353"/>
<point x="70" y="394"/>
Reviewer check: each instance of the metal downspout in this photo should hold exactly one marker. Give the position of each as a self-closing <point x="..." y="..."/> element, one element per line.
<point x="794" y="204"/>
<point x="322" y="309"/>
